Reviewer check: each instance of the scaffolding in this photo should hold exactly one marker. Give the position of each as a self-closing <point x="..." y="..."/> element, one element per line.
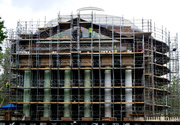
<point x="125" y="70"/>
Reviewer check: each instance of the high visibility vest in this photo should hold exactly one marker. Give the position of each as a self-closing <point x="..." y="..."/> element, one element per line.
<point x="90" y="30"/>
<point x="114" y="47"/>
<point x="7" y="84"/>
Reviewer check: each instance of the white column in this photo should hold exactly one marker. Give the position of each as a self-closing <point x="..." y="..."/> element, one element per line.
<point x="107" y="93"/>
<point x="67" y="95"/>
<point x="87" y="93"/>
<point x="47" y="93"/>
<point x="128" y="91"/>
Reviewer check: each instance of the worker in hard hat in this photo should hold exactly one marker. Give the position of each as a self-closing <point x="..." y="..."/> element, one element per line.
<point x="90" y="32"/>
<point x="7" y="86"/>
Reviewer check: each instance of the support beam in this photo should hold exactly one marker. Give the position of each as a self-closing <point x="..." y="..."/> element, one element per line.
<point x="47" y="92"/>
<point x="67" y="96"/>
<point x="128" y="91"/>
<point x="27" y="93"/>
<point x="87" y="93"/>
<point x="107" y="92"/>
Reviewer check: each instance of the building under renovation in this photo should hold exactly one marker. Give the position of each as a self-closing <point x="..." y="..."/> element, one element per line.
<point x="93" y="67"/>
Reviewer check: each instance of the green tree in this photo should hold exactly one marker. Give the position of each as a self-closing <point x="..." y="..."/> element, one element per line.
<point x="4" y="78"/>
<point x="5" y="63"/>
<point x="2" y="32"/>
<point x="3" y="59"/>
<point x="174" y="97"/>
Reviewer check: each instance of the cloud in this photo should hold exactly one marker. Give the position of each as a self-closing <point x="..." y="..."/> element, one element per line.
<point x="35" y="5"/>
<point x="25" y="10"/>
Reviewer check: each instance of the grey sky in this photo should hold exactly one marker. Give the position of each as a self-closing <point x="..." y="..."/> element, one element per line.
<point x="162" y="12"/>
<point x="37" y="5"/>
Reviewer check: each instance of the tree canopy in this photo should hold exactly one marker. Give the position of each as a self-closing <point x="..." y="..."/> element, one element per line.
<point x="4" y="57"/>
<point x="2" y="32"/>
<point x="4" y="62"/>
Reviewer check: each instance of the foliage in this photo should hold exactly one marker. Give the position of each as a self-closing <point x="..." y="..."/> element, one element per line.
<point x="174" y="89"/>
<point x="4" y="57"/>
<point x="5" y="63"/>
<point x="2" y="33"/>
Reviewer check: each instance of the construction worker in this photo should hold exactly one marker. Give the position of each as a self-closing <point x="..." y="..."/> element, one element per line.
<point x="7" y="86"/>
<point x="114" y="47"/>
<point x="90" y="32"/>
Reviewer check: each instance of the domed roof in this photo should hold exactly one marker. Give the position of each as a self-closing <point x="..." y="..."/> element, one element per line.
<point x="99" y="19"/>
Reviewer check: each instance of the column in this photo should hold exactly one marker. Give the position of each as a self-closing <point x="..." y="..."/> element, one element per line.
<point x="47" y="93"/>
<point x="67" y="96"/>
<point x="87" y="93"/>
<point x="128" y="91"/>
<point x="107" y="93"/>
<point x="27" y="92"/>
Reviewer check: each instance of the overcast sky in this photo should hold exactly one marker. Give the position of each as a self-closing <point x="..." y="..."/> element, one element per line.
<point x="162" y="12"/>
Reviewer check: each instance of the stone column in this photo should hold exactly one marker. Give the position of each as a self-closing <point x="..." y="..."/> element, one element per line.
<point x="87" y="93"/>
<point x="67" y="94"/>
<point x="27" y="92"/>
<point x="47" y="93"/>
<point x="107" y="93"/>
<point x="128" y="91"/>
